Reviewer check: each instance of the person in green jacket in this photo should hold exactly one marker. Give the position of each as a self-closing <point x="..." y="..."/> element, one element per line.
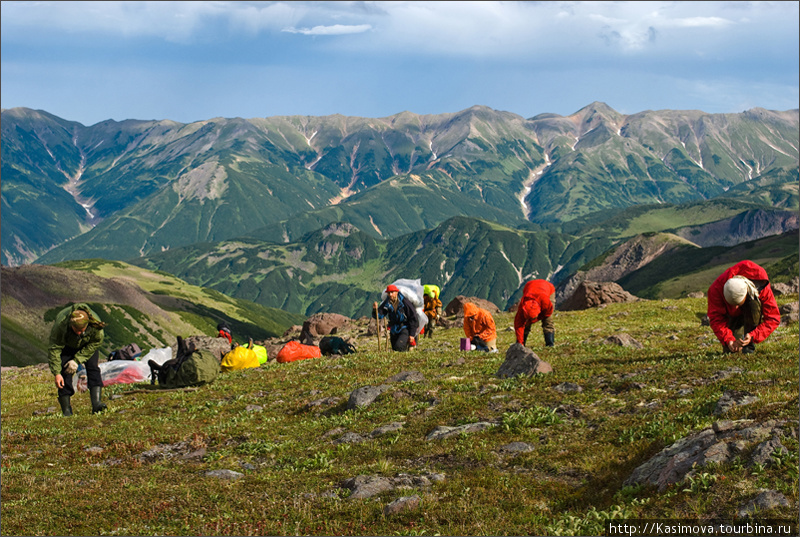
<point x="75" y="339"/>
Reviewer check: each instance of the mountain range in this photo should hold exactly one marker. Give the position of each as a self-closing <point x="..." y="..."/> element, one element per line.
<point x="303" y="213"/>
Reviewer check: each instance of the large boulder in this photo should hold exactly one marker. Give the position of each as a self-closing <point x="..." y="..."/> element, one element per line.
<point x="323" y="324"/>
<point x="718" y="444"/>
<point x="456" y="306"/>
<point x="790" y="288"/>
<point x="592" y="294"/>
<point x="520" y="360"/>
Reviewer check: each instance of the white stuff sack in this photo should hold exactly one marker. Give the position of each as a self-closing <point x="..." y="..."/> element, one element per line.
<point x="422" y="320"/>
<point x="135" y="370"/>
<point x="411" y="289"/>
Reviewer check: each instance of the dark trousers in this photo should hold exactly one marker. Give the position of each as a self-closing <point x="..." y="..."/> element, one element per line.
<point x="746" y="322"/>
<point x="548" y="327"/>
<point x="749" y="318"/>
<point x="429" y="328"/>
<point x="93" y="376"/>
<point x="399" y="340"/>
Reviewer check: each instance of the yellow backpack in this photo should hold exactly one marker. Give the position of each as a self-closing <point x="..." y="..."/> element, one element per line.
<point x="239" y="358"/>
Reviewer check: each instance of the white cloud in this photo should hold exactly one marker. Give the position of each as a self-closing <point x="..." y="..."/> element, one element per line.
<point x="697" y="22"/>
<point x="336" y="29"/>
<point x="464" y="29"/>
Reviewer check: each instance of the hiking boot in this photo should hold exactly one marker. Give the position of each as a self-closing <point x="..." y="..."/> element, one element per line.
<point x="95" y="393"/>
<point x="66" y="407"/>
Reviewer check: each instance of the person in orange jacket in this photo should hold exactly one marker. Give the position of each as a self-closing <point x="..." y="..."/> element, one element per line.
<point x="479" y="327"/>
<point x="536" y="305"/>
<point x="742" y="310"/>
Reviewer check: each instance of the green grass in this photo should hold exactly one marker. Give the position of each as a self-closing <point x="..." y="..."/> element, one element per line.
<point x="88" y="474"/>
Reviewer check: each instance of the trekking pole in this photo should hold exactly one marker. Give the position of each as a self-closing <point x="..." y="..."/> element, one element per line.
<point x="378" y="326"/>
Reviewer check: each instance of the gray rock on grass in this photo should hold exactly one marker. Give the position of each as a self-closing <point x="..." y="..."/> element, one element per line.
<point x="520" y="360"/>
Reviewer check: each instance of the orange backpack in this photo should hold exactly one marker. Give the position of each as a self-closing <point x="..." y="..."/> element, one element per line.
<point x="294" y="351"/>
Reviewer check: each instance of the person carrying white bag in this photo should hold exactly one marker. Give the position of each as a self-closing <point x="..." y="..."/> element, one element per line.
<point x="401" y="316"/>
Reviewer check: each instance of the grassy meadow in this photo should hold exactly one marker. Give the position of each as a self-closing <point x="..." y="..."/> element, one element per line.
<point x="140" y="468"/>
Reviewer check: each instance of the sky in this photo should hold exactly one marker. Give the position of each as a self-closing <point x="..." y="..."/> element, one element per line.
<point x="191" y="61"/>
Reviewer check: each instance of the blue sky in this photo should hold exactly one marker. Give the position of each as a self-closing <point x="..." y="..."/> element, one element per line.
<point x="190" y="61"/>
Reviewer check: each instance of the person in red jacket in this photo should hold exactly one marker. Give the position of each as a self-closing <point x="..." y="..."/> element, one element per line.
<point x="536" y="305"/>
<point x="742" y="310"/>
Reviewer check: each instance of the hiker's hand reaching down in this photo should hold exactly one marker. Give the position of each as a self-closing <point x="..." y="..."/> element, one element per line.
<point x="745" y="341"/>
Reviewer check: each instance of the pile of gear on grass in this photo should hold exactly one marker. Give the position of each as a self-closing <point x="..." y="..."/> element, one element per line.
<point x="741" y="310"/>
<point x="407" y="311"/>
<point x="77" y="335"/>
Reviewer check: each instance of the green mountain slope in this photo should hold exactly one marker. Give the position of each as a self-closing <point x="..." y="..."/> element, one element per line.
<point x="139" y="306"/>
<point x="341" y="269"/>
<point x="125" y="189"/>
<point x="691" y="269"/>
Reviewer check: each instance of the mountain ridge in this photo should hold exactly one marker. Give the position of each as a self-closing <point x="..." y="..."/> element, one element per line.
<point x="175" y="184"/>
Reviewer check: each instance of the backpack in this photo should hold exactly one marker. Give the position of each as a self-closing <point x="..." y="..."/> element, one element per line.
<point x="294" y="351"/>
<point x="224" y="330"/>
<point x="335" y="345"/>
<point x="128" y="352"/>
<point x="190" y="367"/>
<point x="240" y="358"/>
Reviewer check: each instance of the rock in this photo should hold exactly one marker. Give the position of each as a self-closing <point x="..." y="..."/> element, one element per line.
<point x="591" y="294"/>
<point x="365" y="396"/>
<point x="696" y="294"/>
<point x="766" y="500"/>
<point x="406" y="503"/>
<point x="719" y="444"/>
<point x="517" y="447"/>
<point x="623" y="340"/>
<point x="763" y="452"/>
<point x="327" y="401"/>
<point x="323" y="324"/>
<point x="732" y="398"/>
<point x="726" y="373"/>
<point x="218" y="346"/>
<point x="442" y="322"/>
<point x="567" y="387"/>
<point x="367" y="486"/>
<point x="384" y="429"/>
<point x="520" y="360"/>
<point x="791" y="307"/>
<point x="224" y="474"/>
<point x="196" y="455"/>
<point x="407" y="376"/>
<point x="621" y="260"/>
<point x="791" y="288"/>
<point x="293" y="330"/>
<point x="443" y="431"/>
<point x="349" y="438"/>
<point x="456" y="306"/>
